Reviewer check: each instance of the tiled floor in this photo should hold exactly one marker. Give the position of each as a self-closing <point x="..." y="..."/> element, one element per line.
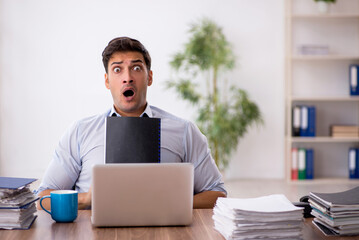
<point x="292" y="190"/>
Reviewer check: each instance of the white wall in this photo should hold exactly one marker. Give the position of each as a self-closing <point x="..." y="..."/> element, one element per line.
<point x="51" y="72"/>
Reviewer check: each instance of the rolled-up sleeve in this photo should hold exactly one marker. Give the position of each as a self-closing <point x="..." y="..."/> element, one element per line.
<point x="65" y="165"/>
<point x="206" y="174"/>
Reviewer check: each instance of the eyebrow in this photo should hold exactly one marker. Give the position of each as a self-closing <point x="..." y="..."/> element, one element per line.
<point x="132" y="61"/>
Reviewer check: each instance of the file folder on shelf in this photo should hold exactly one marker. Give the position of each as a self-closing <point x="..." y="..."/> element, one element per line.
<point x="301" y="163"/>
<point x="294" y="163"/>
<point x="296" y="121"/>
<point x="308" y="119"/>
<point x="309" y="164"/>
<point x="353" y="80"/>
<point x="353" y="161"/>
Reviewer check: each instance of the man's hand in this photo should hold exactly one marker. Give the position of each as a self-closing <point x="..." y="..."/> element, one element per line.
<point x="85" y="200"/>
<point x="207" y="199"/>
<point x="45" y="202"/>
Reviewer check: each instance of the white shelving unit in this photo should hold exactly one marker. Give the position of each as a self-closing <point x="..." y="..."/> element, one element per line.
<point x="322" y="81"/>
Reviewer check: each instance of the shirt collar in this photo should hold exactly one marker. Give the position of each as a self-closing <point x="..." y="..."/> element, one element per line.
<point x="148" y="111"/>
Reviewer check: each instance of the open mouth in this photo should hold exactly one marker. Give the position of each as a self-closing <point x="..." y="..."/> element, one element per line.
<point x="128" y="93"/>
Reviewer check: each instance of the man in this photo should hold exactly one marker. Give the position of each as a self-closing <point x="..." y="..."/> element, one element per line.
<point x="128" y="74"/>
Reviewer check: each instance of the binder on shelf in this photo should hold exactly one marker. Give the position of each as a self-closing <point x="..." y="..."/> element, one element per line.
<point x="307" y="123"/>
<point x="296" y="121"/>
<point x="311" y="121"/>
<point x="303" y="121"/>
<point x="309" y="163"/>
<point x="301" y="163"/>
<point x="353" y="161"/>
<point x="294" y="166"/>
<point x="353" y="79"/>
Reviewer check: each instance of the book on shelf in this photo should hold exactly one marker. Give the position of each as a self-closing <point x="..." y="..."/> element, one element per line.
<point x="303" y="121"/>
<point x="353" y="163"/>
<point x="302" y="163"/>
<point x="345" y="135"/>
<point x="266" y="217"/>
<point x="17" y="203"/>
<point x="344" y="131"/>
<point x="353" y="80"/>
<point x="336" y="213"/>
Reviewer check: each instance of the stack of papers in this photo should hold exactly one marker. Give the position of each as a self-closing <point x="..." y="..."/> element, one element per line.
<point x="268" y="217"/>
<point x="17" y="203"/>
<point x="336" y="213"/>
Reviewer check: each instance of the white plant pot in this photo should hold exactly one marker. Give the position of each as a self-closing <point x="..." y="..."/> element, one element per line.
<point x="323" y="7"/>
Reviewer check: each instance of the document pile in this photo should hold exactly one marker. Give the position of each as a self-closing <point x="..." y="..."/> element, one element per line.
<point x="267" y="217"/>
<point x="17" y="203"/>
<point x="336" y="213"/>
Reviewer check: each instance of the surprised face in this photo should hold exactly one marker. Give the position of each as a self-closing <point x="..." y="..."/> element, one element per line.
<point x="128" y="79"/>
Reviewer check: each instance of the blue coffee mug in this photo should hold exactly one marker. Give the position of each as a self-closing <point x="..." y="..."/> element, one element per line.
<point x="64" y="205"/>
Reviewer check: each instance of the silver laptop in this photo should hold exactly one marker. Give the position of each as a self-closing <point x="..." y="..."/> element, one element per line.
<point x="149" y="194"/>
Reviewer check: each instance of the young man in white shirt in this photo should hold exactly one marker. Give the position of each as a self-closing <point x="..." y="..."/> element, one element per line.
<point x="128" y="75"/>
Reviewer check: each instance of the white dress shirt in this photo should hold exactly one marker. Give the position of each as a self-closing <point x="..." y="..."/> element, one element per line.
<point x="82" y="146"/>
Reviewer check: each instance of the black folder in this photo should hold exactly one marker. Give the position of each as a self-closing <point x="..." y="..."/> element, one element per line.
<point x="133" y="140"/>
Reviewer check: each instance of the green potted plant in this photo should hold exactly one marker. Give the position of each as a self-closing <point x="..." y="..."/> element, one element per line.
<point x="323" y="5"/>
<point x="224" y="113"/>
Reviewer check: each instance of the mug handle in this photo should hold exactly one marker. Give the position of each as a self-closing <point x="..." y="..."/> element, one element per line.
<point x="48" y="196"/>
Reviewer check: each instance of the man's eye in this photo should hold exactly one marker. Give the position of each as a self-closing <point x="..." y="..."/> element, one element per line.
<point x="117" y="69"/>
<point x="137" y="68"/>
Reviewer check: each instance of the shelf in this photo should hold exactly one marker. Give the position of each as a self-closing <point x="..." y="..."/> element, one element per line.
<point x="330" y="181"/>
<point x="324" y="139"/>
<point x="326" y="99"/>
<point x="324" y="57"/>
<point x="322" y="81"/>
<point x="325" y="16"/>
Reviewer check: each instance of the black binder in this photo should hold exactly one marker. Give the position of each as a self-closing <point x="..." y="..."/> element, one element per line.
<point x="133" y="140"/>
<point x="296" y="119"/>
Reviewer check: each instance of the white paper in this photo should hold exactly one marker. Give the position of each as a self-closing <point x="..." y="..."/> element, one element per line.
<point x="267" y="217"/>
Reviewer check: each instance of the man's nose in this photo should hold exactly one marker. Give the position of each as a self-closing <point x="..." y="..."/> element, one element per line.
<point x="127" y="78"/>
<point x="127" y="81"/>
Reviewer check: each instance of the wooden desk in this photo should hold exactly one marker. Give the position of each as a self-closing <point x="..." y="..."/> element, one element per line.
<point x="201" y="228"/>
<point x="45" y="228"/>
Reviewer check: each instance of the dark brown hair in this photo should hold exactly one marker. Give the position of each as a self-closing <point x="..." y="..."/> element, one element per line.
<point x="125" y="44"/>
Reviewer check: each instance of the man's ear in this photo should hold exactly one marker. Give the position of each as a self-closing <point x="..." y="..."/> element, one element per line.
<point x="150" y="79"/>
<point x="107" y="82"/>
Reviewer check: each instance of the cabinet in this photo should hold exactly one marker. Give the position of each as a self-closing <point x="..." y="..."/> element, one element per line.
<point x="320" y="78"/>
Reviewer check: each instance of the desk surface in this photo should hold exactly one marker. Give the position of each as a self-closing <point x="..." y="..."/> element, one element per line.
<point x="201" y="228"/>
